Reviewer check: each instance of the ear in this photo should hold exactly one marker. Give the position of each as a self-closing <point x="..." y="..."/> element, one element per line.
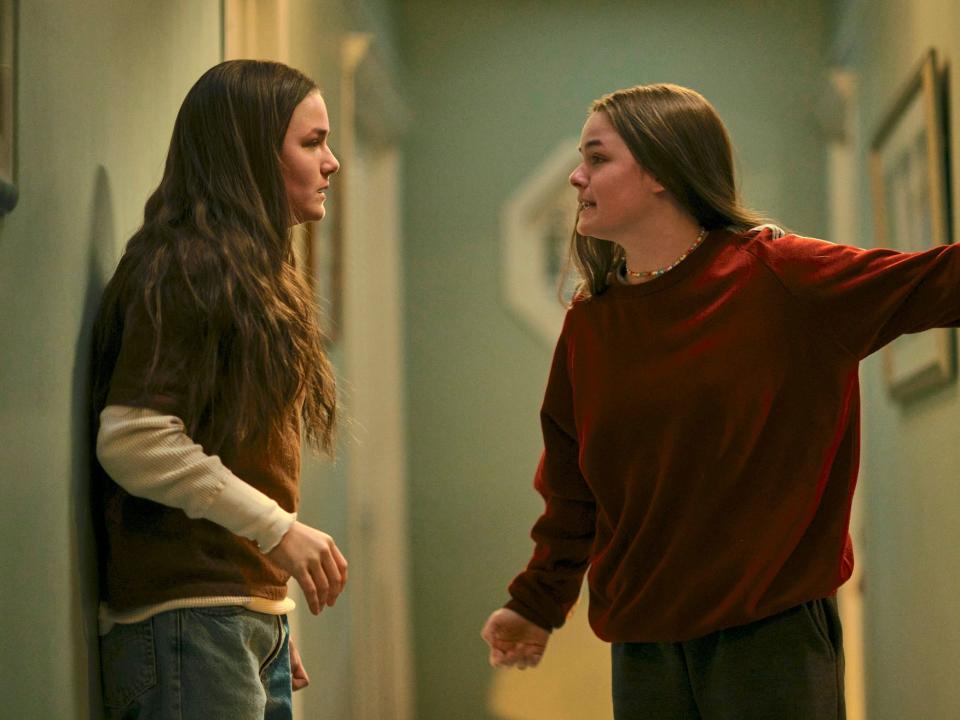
<point x="653" y="184"/>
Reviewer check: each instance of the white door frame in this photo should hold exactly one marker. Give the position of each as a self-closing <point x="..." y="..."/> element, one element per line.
<point x="381" y="659"/>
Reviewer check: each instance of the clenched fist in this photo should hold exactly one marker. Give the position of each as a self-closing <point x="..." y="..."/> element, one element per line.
<point x="514" y="641"/>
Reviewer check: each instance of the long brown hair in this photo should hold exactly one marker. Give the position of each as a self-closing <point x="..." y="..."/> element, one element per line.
<point x="214" y="260"/>
<point x="676" y="135"/>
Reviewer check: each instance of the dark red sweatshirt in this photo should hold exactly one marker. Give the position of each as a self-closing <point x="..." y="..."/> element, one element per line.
<point x="701" y="432"/>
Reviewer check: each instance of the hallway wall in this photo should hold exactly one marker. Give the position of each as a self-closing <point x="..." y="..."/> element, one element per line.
<point x="496" y="86"/>
<point x="911" y="457"/>
<point x="99" y="86"/>
<point x="99" y="89"/>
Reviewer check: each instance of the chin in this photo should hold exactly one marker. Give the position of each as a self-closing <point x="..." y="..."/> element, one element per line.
<point x="596" y="230"/>
<point x="585" y="230"/>
<point x="311" y="215"/>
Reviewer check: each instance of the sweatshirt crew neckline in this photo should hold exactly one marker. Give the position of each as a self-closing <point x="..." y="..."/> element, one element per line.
<point x="699" y="259"/>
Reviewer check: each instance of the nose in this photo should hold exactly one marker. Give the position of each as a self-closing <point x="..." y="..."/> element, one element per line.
<point x="577" y="178"/>
<point x="330" y="165"/>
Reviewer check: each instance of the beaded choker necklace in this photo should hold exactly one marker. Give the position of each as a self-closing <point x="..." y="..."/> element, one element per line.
<point x="668" y="268"/>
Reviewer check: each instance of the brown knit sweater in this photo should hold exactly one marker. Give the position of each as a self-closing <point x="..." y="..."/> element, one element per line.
<point x="151" y="553"/>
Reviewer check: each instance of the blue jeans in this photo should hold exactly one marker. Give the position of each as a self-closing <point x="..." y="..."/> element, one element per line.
<point x="204" y="663"/>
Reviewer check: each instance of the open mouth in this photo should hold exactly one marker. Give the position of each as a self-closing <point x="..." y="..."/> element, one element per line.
<point x="583" y="205"/>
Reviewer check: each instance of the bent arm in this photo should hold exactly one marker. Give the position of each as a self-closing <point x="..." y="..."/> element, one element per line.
<point x="548" y="588"/>
<point x="545" y="592"/>
<point x="149" y="455"/>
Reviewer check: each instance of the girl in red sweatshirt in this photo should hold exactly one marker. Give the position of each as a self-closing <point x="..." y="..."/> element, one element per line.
<point x="701" y="426"/>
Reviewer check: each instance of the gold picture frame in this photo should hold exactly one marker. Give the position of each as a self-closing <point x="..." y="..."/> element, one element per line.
<point x="908" y="167"/>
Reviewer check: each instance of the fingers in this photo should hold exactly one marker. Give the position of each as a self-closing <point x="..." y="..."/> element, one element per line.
<point x="489" y="635"/>
<point x="519" y="655"/>
<point x="320" y="580"/>
<point x="508" y="653"/>
<point x="299" y="678"/>
<point x="506" y="647"/>
<point x="299" y="682"/>
<point x="327" y="575"/>
<point x="333" y="577"/>
<point x="341" y="565"/>
<point x="315" y="561"/>
<point x="298" y="674"/>
<point x="534" y="658"/>
<point x="309" y="591"/>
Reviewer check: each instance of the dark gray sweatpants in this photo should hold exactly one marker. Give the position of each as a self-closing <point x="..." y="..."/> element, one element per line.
<point x="785" y="667"/>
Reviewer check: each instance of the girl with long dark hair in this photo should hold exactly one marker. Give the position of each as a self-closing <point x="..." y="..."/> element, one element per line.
<point x="209" y="367"/>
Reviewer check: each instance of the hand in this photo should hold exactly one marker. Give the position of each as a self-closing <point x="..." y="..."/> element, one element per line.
<point x="315" y="562"/>
<point x="297" y="672"/>
<point x="514" y="641"/>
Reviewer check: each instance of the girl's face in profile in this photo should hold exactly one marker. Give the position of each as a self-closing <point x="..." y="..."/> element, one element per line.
<point x="614" y="191"/>
<point x="306" y="161"/>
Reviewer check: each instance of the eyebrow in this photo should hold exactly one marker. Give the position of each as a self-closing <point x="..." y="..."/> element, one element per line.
<point x="322" y="132"/>
<point x="590" y="143"/>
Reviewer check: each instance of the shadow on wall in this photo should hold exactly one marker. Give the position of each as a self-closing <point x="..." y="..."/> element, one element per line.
<point x="101" y="246"/>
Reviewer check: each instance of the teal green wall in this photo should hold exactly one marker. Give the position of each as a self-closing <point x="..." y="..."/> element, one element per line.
<point x="99" y="85"/>
<point x="495" y="86"/>
<point x="911" y="463"/>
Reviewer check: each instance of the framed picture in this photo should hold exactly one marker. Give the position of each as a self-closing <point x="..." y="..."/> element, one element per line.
<point x="537" y="223"/>
<point x="8" y="96"/>
<point x="908" y="167"/>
